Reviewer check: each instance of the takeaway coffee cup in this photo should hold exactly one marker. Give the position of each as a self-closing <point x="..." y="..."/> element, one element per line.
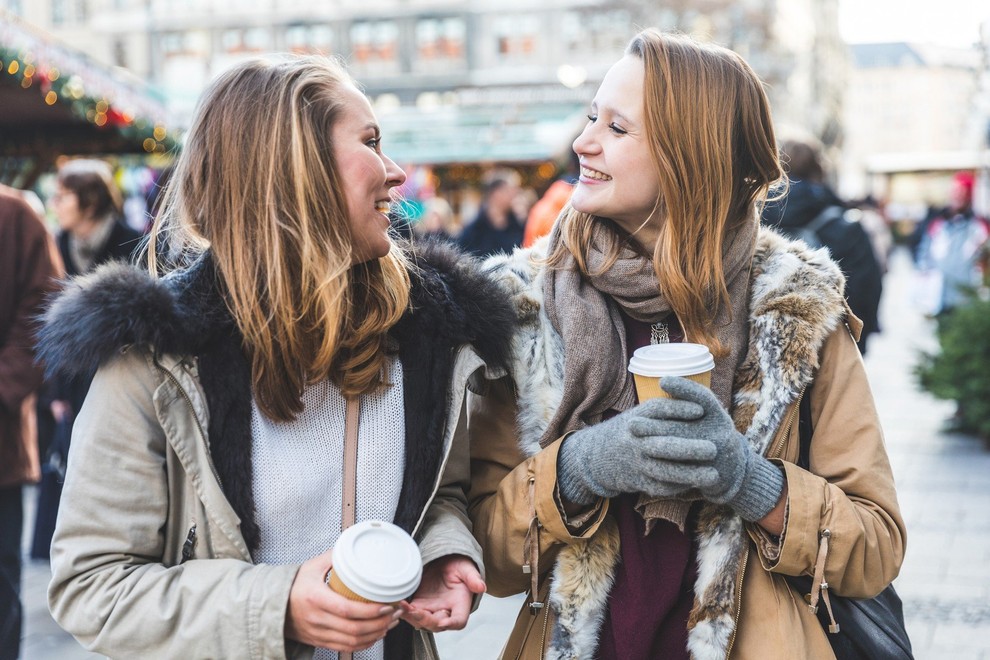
<point x="375" y="562"/>
<point x="650" y="364"/>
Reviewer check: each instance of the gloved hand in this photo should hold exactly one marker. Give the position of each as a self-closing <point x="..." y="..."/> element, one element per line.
<point x="622" y="454"/>
<point x="724" y="468"/>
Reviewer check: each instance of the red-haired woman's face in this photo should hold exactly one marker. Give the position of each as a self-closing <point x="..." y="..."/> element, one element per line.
<point x="618" y="179"/>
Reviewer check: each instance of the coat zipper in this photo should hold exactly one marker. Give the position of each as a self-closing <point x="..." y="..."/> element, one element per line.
<point x="192" y="408"/>
<point x="745" y="560"/>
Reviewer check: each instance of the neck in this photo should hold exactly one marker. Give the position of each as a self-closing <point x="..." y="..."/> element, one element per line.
<point x="86" y="228"/>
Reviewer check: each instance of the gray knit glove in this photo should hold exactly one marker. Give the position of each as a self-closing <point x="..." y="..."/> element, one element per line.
<point x="723" y="467"/>
<point x="622" y="454"/>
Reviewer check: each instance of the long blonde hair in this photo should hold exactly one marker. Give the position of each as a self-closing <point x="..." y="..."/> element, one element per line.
<point x="712" y="142"/>
<point x="256" y="184"/>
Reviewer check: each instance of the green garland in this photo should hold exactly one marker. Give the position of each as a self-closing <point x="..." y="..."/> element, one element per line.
<point x="69" y="89"/>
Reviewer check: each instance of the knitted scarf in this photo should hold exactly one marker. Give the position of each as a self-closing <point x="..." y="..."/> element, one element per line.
<point x="585" y="312"/>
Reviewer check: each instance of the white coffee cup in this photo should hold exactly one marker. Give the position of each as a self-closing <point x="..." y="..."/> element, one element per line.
<point x="376" y="562"/>
<point x="650" y="364"/>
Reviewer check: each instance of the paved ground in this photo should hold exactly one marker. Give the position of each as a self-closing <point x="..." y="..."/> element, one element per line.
<point x="944" y="488"/>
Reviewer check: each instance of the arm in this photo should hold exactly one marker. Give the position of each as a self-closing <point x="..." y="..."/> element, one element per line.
<point x="37" y="273"/>
<point x="115" y="586"/>
<point x="850" y="488"/>
<point x="500" y="501"/>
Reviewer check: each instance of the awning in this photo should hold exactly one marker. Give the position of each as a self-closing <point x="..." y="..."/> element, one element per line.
<point x="489" y="134"/>
<point x="57" y="101"/>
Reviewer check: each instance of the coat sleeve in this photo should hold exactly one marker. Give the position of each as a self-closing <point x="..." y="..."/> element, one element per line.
<point x="36" y="275"/>
<point x="446" y="528"/>
<point x="849" y="489"/>
<point x="508" y="488"/>
<point x="112" y="587"/>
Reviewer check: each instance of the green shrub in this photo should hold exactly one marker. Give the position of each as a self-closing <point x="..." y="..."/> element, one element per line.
<point x="961" y="371"/>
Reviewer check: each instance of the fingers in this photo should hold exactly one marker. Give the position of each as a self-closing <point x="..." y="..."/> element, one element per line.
<point x="671" y="409"/>
<point x="688" y="390"/>
<point x="685" y="474"/>
<point x="641" y="427"/>
<point x="672" y="448"/>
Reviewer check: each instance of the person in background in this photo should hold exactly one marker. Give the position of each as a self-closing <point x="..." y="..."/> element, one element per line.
<point x="30" y="268"/>
<point x="812" y="212"/>
<point x="496" y="227"/>
<point x="951" y="248"/>
<point x="437" y="222"/>
<point x="544" y="213"/>
<point x="205" y="491"/>
<point x="658" y="529"/>
<point x="88" y="208"/>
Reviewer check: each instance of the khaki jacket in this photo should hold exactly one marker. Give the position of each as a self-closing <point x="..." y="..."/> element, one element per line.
<point x="744" y="609"/>
<point x="124" y="584"/>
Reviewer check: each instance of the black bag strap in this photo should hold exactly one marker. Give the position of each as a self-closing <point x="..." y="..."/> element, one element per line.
<point x="805" y="429"/>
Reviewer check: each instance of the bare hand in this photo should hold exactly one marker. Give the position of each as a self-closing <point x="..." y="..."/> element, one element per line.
<point x="443" y="600"/>
<point x="60" y="410"/>
<point x="319" y="616"/>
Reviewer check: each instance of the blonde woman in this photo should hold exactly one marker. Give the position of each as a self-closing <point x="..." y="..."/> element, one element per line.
<point x="663" y="529"/>
<point x="203" y="495"/>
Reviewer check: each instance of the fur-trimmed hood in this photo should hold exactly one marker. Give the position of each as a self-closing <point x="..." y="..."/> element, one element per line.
<point x="118" y="305"/>
<point x="796" y="302"/>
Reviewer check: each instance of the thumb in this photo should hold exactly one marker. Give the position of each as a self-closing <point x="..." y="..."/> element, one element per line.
<point x="471" y="577"/>
<point x="320" y="564"/>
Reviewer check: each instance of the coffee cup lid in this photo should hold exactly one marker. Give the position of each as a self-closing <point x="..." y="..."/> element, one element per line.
<point x="679" y="359"/>
<point x="378" y="561"/>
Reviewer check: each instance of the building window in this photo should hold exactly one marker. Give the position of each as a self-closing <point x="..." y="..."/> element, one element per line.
<point x="516" y="37"/>
<point x="309" y="39"/>
<point x="120" y="53"/>
<point x="59" y="12"/>
<point x="440" y="43"/>
<point x="601" y="32"/>
<point x="375" y="47"/>
<point x="248" y="40"/>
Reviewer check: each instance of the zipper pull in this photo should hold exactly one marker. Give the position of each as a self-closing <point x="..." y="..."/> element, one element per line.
<point x="190" y="543"/>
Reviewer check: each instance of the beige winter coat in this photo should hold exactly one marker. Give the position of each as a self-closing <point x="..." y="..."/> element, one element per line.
<point x="799" y="328"/>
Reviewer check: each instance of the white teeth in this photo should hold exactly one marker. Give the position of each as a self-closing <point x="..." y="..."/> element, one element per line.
<point x="383" y="207"/>
<point x="593" y="174"/>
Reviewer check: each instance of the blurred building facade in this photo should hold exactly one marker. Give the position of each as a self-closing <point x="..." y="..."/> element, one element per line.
<point x="495" y="80"/>
<point x="914" y="115"/>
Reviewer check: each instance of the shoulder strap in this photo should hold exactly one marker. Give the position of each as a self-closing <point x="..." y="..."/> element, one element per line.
<point x="350" y="462"/>
<point x="805" y="429"/>
<point x="827" y="215"/>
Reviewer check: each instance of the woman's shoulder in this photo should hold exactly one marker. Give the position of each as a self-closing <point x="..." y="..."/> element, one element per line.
<point x="453" y="299"/>
<point x="98" y="315"/>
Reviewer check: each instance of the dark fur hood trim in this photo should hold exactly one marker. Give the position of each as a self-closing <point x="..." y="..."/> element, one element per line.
<point x="118" y="305"/>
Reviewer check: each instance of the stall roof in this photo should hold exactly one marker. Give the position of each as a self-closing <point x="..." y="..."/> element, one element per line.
<point x="55" y="101"/>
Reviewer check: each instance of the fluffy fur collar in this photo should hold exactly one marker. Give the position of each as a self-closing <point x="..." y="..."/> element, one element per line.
<point x="796" y="301"/>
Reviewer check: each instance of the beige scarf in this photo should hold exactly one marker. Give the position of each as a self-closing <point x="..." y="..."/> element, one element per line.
<point x="585" y="312"/>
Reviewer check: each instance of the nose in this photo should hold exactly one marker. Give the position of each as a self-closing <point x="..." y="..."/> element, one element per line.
<point x="585" y="144"/>
<point x="394" y="176"/>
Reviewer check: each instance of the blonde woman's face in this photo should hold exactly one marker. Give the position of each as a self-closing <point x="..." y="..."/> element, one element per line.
<point x="617" y="179"/>
<point x="367" y="174"/>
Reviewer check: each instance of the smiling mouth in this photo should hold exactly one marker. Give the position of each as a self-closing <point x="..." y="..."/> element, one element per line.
<point x="594" y="174"/>
<point x="383" y="206"/>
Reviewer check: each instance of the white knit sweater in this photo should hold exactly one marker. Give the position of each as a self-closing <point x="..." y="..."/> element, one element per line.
<point x="298" y="473"/>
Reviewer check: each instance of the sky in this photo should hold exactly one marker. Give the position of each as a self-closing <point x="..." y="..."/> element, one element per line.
<point x="944" y="22"/>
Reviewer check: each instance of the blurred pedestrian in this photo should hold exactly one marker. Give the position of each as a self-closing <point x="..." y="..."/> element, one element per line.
<point x="206" y="487"/>
<point x="812" y="212"/>
<point x="496" y="228"/>
<point x="438" y="221"/>
<point x="544" y="213"/>
<point x="658" y="530"/>
<point x="87" y="206"/>
<point x="950" y="251"/>
<point x="29" y="270"/>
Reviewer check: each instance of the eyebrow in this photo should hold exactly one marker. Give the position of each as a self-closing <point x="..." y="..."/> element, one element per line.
<point x="373" y="126"/>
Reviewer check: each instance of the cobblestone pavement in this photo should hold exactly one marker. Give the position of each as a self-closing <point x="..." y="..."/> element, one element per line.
<point x="943" y="484"/>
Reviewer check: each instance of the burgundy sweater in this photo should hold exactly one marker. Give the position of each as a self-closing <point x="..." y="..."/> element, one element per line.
<point x="653" y="592"/>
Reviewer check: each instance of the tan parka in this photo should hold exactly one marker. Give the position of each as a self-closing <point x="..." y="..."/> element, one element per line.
<point x="746" y="609"/>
